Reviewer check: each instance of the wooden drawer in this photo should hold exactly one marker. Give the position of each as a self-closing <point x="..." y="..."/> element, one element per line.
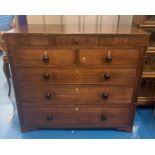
<point x="73" y="94"/>
<point x="109" y="57"/>
<point x="75" y="116"/>
<point x="77" y="41"/>
<point x="125" y="76"/>
<point x="35" y="57"/>
<point x="84" y="40"/>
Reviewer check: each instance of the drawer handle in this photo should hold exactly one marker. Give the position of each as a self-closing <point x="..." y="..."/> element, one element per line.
<point x="45" y="57"/>
<point x="46" y="76"/>
<point x="49" y="117"/>
<point x="109" y="57"/>
<point x="105" y="95"/>
<point x="107" y="76"/>
<point x="48" y="95"/>
<point x="103" y="117"/>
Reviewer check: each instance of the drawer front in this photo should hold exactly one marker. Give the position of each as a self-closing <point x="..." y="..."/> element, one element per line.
<point x="109" y="57"/>
<point x="75" y="116"/>
<point x="34" y="57"/>
<point x="77" y="41"/>
<point x="87" y="39"/>
<point x="74" y="94"/>
<point x="125" y="76"/>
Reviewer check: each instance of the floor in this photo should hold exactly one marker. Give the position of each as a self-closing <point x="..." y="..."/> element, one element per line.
<point x="144" y="124"/>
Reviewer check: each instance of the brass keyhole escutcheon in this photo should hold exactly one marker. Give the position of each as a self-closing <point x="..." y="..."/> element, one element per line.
<point x="109" y="57"/>
<point x="84" y="58"/>
<point x="77" y="71"/>
<point x="76" y="109"/>
<point x="77" y="89"/>
<point x="109" y="53"/>
<point x="45" y="52"/>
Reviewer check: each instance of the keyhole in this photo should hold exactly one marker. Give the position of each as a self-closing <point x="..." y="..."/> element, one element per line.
<point x="84" y="58"/>
<point x="76" y="109"/>
<point x="77" y="89"/>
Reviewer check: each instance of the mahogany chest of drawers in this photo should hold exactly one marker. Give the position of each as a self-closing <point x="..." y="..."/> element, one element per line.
<point x="75" y="80"/>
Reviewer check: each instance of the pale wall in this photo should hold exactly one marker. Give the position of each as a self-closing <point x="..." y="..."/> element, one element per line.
<point x="85" y="19"/>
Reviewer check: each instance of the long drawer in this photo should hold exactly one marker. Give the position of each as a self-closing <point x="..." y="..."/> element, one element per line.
<point x="124" y="76"/>
<point x="75" y="116"/>
<point x="61" y="57"/>
<point x="73" y="94"/>
<point x="56" y="41"/>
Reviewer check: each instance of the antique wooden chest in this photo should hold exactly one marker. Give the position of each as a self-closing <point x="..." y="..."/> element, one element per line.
<point x="75" y="79"/>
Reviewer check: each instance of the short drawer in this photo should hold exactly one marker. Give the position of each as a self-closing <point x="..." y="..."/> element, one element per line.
<point x="75" y="116"/>
<point x="109" y="57"/>
<point x="38" y="57"/>
<point x="125" y="76"/>
<point x="77" y="41"/>
<point x="73" y="94"/>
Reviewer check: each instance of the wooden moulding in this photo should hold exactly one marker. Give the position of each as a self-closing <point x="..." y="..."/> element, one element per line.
<point x="146" y="101"/>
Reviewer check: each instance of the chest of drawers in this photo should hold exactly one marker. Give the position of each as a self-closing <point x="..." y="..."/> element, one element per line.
<point x="81" y="80"/>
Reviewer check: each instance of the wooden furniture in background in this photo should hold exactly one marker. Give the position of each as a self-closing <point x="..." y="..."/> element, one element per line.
<point x="5" y="63"/>
<point x="6" y="70"/>
<point x="76" y="79"/>
<point x="147" y="21"/>
<point x="146" y="93"/>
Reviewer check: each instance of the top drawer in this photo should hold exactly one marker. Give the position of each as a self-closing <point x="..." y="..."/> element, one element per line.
<point x="76" y="40"/>
<point x="109" y="57"/>
<point x="35" y="57"/>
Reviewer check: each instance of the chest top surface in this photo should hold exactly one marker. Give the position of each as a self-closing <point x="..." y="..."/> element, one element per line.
<point x="78" y="29"/>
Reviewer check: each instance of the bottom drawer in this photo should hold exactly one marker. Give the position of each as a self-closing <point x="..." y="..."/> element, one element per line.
<point x="81" y="116"/>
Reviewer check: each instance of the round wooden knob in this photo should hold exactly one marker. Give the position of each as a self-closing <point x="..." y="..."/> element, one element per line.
<point x="48" y="95"/>
<point x="45" y="59"/>
<point x="46" y="76"/>
<point x="103" y="117"/>
<point x="49" y="117"/>
<point x="105" y="95"/>
<point x="109" y="59"/>
<point x="107" y="76"/>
